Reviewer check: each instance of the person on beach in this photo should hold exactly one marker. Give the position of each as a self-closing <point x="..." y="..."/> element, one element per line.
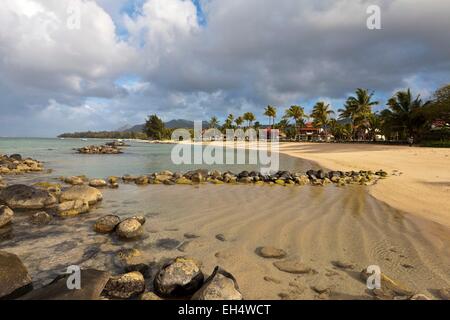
<point x="410" y="141"/>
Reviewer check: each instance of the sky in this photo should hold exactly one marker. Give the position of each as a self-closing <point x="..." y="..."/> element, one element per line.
<point x="194" y="59"/>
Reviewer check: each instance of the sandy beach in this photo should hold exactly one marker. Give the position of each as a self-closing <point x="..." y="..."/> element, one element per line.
<point x="420" y="177"/>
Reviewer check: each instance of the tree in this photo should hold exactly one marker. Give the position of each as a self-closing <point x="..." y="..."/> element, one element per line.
<point x="239" y="121"/>
<point x="357" y="108"/>
<point x="213" y="123"/>
<point x="229" y="122"/>
<point x="406" y="115"/>
<point x="296" y="113"/>
<point x="321" y="114"/>
<point x="271" y="112"/>
<point x="249" y="117"/>
<point x="374" y="125"/>
<point x="154" y="128"/>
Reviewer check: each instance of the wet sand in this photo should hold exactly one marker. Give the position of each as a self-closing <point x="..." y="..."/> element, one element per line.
<point x="317" y="225"/>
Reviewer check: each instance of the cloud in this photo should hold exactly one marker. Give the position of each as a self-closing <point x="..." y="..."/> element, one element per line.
<point x="232" y="57"/>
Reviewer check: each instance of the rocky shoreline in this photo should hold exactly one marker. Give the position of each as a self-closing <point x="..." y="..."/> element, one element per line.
<point x="109" y="148"/>
<point x="181" y="277"/>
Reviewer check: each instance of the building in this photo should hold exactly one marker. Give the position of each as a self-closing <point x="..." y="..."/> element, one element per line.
<point x="311" y="133"/>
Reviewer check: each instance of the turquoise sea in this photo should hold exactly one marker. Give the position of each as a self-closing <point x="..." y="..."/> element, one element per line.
<point x="138" y="158"/>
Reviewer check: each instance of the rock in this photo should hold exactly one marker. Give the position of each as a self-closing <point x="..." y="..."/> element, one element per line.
<point x="92" y="284"/>
<point x="342" y="265"/>
<point x="149" y="296"/>
<point x="143" y="268"/>
<point x="162" y="178"/>
<point x="127" y="178"/>
<point x="270" y="252"/>
<point x="127" y="257"/>
<point x="125" y="286"/>
<point x="189" y="235"/>
<point x="270" y="279"/>
<point x="215" y="174"/>
<point x="183" y="180"/>
<point x="420" y="296"/>
<point x="14" y="278"/>
<point x="280" y="182"/>
<point x="129" y="229"/>
<point x="389" y="287"/>
<point x="113" y="179"/>
<point x="180" y="277"/>
<point x="75" y="181"/>
<point x="197" y="178"/>
<point x="89" y="194"/>
<point x="444" y="293"/>
<point x="141" y="219"/>
<point x="184" y="246"/>
<point x="72" y="208"/>
<point x="25" y="197"/>
<point x="40" y="218"/>
<point x="321" y="289"/>
<point x="142" y="180"/>
<point x="114" y="185"/>
<point x="104" y="149"/>
<point x="221" y="237"/>
<point x="106" y="224"/>
<point x="98" y="183"/>
<point x="221" y="285"/>
<point x="245" y="180"/>
<point x="292" y="266"/>
<point x="16" y="156"/>
<point x="6" y="215"/>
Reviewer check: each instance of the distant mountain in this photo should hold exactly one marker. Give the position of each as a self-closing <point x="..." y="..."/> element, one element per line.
<point x="173" y="124"/>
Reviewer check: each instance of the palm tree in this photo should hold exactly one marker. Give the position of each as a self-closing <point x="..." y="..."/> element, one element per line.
<point x="296" y="113"/>
<point x="374" y="125"/>
<point x="357" y="108"/>
<point x="321" y="114"/>
<point x="213" y="123"/>
<point x="405" y="113"/>
<point x="229" y="122"/>
<point x="249" y="117"/>
<point x="271" y="112"/>
<point x="239" y="121"/>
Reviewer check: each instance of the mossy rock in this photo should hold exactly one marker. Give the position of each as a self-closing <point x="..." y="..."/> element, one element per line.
<point x="280" y="182"/>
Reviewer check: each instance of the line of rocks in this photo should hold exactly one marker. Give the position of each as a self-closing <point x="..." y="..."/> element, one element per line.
<point x="283" y="178"/>
<point x="101" y="149"/>
<point x="15" y="164"/>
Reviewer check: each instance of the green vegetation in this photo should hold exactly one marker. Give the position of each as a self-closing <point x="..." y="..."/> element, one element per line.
<point x="105" y="135"/>
<point x="405" y="116"/>
<point x="156" y="130"/>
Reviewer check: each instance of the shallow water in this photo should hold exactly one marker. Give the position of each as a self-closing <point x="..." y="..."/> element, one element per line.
<point x="315" y="224"/>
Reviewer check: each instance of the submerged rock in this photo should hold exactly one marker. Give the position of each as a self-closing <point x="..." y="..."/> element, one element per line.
<point x="127" y="257"/>
<point x="6" y="215"/>
<point x="129" y="229"/>
<point x="89" y="194"/>
<point x="14" y="278"/>
<point x="25" y="197"/>
<point x="98" y="183"/>
<point x="181" y="277"/>
<point x="270" y="252"/>
<point x="221" y="285"/>
<point x="92" y="284"/>
<point x="292" y="266"/>
<point x="40" y="218"/>
<point x="72" y="208"/>
<point x="125" y="286"/>
<point x="106" y="224"/>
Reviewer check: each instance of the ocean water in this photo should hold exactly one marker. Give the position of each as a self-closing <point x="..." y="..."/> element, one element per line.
<point x="138" y="158"/>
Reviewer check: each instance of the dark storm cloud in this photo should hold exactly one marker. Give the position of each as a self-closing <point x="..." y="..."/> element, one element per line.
<point x="243" y="56"/>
